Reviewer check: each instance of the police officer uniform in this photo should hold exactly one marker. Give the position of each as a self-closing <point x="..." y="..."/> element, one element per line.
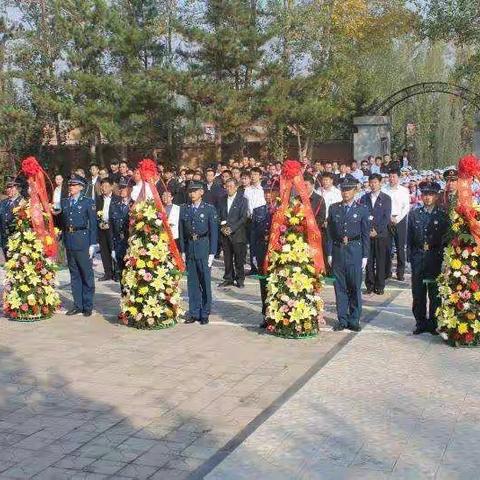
<point x="261" y="223"/>
<point x="198" y="236"/>
<point x="119" y="227"/>
<point x="7" y="217"/>
<point x="79" y="230"/>
<point x="349" y="229"/>
<point x="426" y="239"/>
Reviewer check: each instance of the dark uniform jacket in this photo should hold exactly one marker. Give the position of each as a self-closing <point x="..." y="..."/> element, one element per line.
<point x="198" y="230"/>
<point x="119" y="225"/>
<point x="426" y="239"/>
<point x="380" y="214"/>
<point x="7" y="218"/>
<point x="79" y="223"/>
<point x="236" y="218"/>
<point x="319" y="208"/>
<point x="261" y="224"/>
<point x="354" y="227"/>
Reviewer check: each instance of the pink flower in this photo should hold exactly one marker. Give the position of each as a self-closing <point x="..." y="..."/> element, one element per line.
<point x="143" y="252"/>
<point x="24" y="259"/>
<point x="465" y="269"/>
<point x="463" y="279"/>
<point x="466" y="294"/>
<point x="24" y="307"/>
<point x="148" y="277"/>
<point x="283" y="228"/>
<point x="291" y="303"/>
<point x="284" y="308"/>
<point x="154" y="238"/>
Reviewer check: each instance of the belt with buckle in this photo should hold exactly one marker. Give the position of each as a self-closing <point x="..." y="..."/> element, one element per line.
<point x="196" y="236"/>
<point x="75" y="229"/>
<point x="346" y="240"/>
<point x="426" y="247"/>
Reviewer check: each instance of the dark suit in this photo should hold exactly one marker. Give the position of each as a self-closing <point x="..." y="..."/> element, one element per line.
<point x="214" y="194"/>
<point x="105" y="237"/>
<point x="319" y="209"/>
<point x="379" y="216"/>
<point x="235" y="244"/>
<point x="7" y="221"/>
<point x="119" y="227"/>
<point x="93" y="187"/>
<point x="261" y="223"/>
<point x="175" y="188"/>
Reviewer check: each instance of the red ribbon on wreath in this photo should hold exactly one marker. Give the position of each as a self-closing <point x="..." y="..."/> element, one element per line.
<point x="40" y="211"/>
<point x="149" y="173"/>
<point x="468" y="168"/>
<point x="292" y="177"/>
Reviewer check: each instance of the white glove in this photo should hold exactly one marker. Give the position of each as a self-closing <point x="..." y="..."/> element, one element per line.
<point x="114" y="257"/>
<point x="184" y="257"/>
<point x="210" y="260"/>
<point x="91" y="251"/>
<point x="329" y="260"/>
<point x="254" y="261"/>
<point x="364" y="263"/>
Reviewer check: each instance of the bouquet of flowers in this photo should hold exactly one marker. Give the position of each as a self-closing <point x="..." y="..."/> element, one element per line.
<point x="151" y="278"/>
<point x="29" y="292"/>
<point x="459" y="284"/>
<point x="295" y="308"/>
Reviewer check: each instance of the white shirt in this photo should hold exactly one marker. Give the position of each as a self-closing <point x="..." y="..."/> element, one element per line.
<point x="94" y="181"/>
<point x="255" y="197"/>
<point x="230" y="201"/>
<point x="404" y="162"/>
<point x="57" y="197"/>
<point x="373" y="197"/>
<point x="137" y="188"/>
<point x="400" y="200"/>
<point x="330" y="196"/>
<point x="174" y="218"/>
<point x="375" y="169"/>
<point x="106" y="208"/>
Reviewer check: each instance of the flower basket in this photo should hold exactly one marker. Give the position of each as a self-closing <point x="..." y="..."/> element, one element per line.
<point x="294" y="304"/>
<point x="29" y="289"/>
<point x="151" y="279"/>
<point x="459" y="286"/>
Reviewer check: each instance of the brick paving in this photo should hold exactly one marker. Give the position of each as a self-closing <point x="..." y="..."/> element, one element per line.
<point x="87" y="398"/>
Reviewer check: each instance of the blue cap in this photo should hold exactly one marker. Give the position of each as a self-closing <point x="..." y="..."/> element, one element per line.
<point x="195" y="185"/>
<point x="124" y="182"/>
<point x="429" y="187"/>
<point x="349" y="182"/>
<point x="76" y="180"/>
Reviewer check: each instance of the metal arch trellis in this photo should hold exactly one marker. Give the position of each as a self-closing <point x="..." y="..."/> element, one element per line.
<point x="384" y="107"/>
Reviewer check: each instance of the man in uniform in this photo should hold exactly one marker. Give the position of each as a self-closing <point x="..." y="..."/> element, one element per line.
<point x="7" y="218"/>
<point x="448" y="199"/>
<point x="119" y="224"/>
<point x="379" y="206"/>
<point x="79" y="226"/>
<point x="349" y="230"/>
<point x="426" y="238"/>
<point x="198" y="235"/>
<point x="261" y="223"/>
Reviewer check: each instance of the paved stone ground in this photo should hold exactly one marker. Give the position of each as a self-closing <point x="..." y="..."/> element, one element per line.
<point x="388" y="405"/>
<point x="91" y="399"/>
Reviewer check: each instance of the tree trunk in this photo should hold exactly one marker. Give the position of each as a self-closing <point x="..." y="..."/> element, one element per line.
<point x="218" y="144"/>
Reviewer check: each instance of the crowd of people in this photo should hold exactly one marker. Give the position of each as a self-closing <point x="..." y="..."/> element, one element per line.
<point x="363" y="209"/>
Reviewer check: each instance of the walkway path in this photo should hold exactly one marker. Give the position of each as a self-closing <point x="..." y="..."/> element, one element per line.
<point x="388" y="405"/>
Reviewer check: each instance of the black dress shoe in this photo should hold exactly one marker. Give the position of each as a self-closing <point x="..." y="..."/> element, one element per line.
<point x="240" y="285"/>
<point x="87" y="313"/>
<point x="104" y="279"/>
<point x="338" y="327"/>
<point x="355" y="328"/>
<point x="204" y="321"/>
<point x="379" y="292"/>
<point x="368" y="292"/>
<point x="73" y="311"/>
<point x="226" y="283"/>
<point x="191" y="320"/>
<point x="419" y="331"/>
